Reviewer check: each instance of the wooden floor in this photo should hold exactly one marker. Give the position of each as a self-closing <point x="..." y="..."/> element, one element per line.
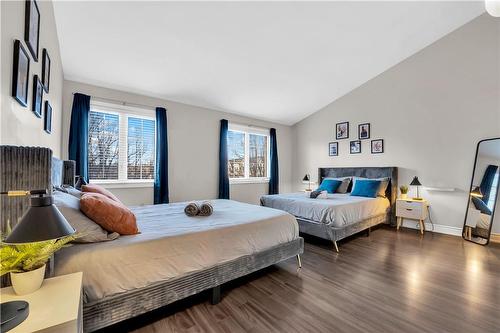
<point x="388" y="282"/>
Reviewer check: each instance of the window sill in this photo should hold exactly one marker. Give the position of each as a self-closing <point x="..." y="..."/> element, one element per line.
<point x="123" y="184"/>
<point x="248" y="181"/>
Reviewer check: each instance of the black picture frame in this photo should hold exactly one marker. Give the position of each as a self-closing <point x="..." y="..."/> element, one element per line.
<point x="377" y="146"/>
<point x="47" y="124"/>
<point x="333" y="149"/>
<point x="45" y="70"/>
<point x="37" y="104"/>
<point x="20" y="73"/>
<point x="32" y="27"/>
<point x="355" y="147"/>
<point x="342" y="130"/>
<point x="364" y="131"/>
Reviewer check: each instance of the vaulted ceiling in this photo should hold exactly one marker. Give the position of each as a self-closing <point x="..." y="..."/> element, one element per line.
<point x="278" y="61"/>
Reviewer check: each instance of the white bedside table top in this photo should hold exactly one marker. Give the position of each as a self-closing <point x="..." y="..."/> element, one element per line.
<point x="412" y="200"/>
<point x="55" y="303"/>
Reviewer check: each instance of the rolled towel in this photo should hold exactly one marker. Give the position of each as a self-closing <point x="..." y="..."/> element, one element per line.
<point x="319" y="195"/>
<point x="192" y="209"/>
<point x="206" y="209"/>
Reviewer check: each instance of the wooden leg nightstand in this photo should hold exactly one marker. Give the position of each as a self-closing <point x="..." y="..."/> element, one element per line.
<point x="413" y="210"/>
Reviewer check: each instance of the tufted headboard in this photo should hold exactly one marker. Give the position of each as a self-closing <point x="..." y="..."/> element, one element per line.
<point x="368" y="172"/>
<point x="28" y="168"/>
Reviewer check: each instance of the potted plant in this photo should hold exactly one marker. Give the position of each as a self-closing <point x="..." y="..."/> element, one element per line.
<point x="404" y="191"/>
<point x="26" y="262"/>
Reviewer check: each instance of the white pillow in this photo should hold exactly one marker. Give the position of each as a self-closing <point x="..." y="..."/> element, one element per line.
<point x="384" y="182"/>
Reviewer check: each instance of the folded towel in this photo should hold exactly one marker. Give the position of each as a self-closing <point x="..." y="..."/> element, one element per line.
<point x="191" y="209"/>
<point x="206" y="209"/>
<point x="319" y="195"/>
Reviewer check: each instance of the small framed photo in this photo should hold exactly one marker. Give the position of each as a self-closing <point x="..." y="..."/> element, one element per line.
<point x="47" y="124"/>
<point x="45" y="70"/>
<point x="20" y="74"/>
<point x="333" y="149"/>
<point x="363" y="131"/>
<point x="37" y="97"/>
<point x="378" y="146"/>
<point x="342" y="130"/>
<point x="32" y="27"/>
<point x="355" y="147"/>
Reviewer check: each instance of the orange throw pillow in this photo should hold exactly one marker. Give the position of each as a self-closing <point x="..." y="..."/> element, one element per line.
<point x="93" y="188"/>
<point x="109" y="214"/>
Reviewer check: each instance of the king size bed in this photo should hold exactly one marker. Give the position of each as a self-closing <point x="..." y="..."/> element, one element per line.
<point x="173" y="256"/>
<point x="336" y="216"/>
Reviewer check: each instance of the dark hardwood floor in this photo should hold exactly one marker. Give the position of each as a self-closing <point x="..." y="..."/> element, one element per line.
<point x="387" y="282"/>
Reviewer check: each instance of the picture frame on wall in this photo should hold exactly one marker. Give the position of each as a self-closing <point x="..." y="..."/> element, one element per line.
<point x="37" y="104"/>
<point x="377" y="146"/>
<point x="355" y="147"/>
<point x="364" y="131"/>
<point x="32" y="27"/>
<point x="45" y="70"/>
<point x="342" y="130"/>
<point x="20" y="73"/>
<point x="47" y="124"/>
<point x="333" y="149"/>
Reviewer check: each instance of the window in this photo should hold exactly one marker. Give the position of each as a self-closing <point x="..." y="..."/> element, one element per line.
<point x="248" y="154"/>
<point x="493" y="192"/>
<point x="121" y="143"/>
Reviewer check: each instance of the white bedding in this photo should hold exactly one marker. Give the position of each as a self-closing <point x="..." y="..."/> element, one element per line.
<point x="337" y="210"/>
<point x="172" y="244"/>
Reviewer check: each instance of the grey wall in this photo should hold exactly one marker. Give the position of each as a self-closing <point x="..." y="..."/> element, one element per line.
<point x="193" y="140"/>
<point x="430" y="109"/>
<point x="18" y="125"/>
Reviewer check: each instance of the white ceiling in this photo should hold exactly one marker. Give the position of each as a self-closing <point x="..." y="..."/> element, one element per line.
<point x="278" y="61"/>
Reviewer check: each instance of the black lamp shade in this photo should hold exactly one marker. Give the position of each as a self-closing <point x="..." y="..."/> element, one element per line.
<point x="476" y="192"/>
<point x="306" y="178"/>
<point x="415" y="182"/>
<point x="41" y="222"/>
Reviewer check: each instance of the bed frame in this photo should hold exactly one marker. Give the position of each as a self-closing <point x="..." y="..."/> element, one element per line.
<point x="334" y="234"/>
<point x="33" y="167"/>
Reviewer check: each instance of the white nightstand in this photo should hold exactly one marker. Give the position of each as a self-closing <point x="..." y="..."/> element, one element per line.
<point x="55" y="307"/>
<point x="413" y="210"/>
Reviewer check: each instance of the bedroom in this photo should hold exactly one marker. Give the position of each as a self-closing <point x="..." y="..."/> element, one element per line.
<point x="410" y="92"/>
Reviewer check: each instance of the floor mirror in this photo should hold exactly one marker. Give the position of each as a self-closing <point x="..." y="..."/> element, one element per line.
<point x="483" y="193"/>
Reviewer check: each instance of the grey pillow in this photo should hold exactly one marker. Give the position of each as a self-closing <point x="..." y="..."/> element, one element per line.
<point x="384" y="182"/>
<point x="344" y="186"/>
<point x="91" y="232"/>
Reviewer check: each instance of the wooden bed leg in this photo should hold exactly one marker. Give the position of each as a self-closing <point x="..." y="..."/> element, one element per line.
<point x="215" y="295"/>
<point x="368" y="232"/>
<point x="336" y="247"/>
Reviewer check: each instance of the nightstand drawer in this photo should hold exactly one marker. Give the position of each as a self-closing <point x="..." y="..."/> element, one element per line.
<point x="409" y="212"/>
<point x="409" y="204"/>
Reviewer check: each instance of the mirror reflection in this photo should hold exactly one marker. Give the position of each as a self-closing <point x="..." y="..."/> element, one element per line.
<point x="483" y="194"/>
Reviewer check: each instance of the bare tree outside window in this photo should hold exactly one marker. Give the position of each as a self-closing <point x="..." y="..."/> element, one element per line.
<point x="103" y="145"/>
<point x="236" y="154"/>
<point x="140" y="148"/>
<point x="247" y="150"/>
<point x="257" y="155"/>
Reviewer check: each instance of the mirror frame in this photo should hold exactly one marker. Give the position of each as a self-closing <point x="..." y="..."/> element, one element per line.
<point x="468" y="197"/>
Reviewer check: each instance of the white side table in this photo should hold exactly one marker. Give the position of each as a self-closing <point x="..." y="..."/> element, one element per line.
<point x="55" y="307"/>
<point x="413" y="210"/>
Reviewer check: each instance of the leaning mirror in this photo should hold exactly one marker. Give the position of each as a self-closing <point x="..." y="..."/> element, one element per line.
<point x="483" y="193"/>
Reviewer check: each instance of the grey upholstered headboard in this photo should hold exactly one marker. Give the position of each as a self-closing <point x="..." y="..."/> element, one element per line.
<point x="28" y="168"/>
<point x="368" y="172"/>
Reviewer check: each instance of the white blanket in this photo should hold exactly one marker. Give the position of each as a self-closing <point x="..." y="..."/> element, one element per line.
<point x="172" y="244"/>
<point x="337" y="210"/>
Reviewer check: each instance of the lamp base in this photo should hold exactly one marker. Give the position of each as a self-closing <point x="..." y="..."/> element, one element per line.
<point x="419" y="199"/>
<point x="13" y="313"/>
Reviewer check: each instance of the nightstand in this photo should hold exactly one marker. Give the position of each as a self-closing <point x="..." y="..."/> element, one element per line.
<point x="413" y="210"/>
<point x="55" y="307"/>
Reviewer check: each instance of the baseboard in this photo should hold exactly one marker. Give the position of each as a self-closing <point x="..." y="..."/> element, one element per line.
<point x="439" y="228"/>
<point x="495" y="238"/>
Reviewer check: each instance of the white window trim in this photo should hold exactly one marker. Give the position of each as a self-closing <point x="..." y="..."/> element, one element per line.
<point x="123" y="112"/>
<point x="257" y="131"/>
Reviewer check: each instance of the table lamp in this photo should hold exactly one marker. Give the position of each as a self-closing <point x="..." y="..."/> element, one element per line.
<point x="416" y="182"/>
<point x="476" y="192"/>
<point x="29" y="230"/>
<point x="307" y="178"/>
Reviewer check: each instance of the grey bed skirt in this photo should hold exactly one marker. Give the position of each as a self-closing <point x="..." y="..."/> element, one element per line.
<point x="116" y="308"/>
<point x="324" y="231"/>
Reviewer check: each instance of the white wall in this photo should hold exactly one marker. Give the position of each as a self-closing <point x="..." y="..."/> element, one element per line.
<point x="430" y="109"/>
<point x="193" y="144"/>
<point x="18" y="124"/>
